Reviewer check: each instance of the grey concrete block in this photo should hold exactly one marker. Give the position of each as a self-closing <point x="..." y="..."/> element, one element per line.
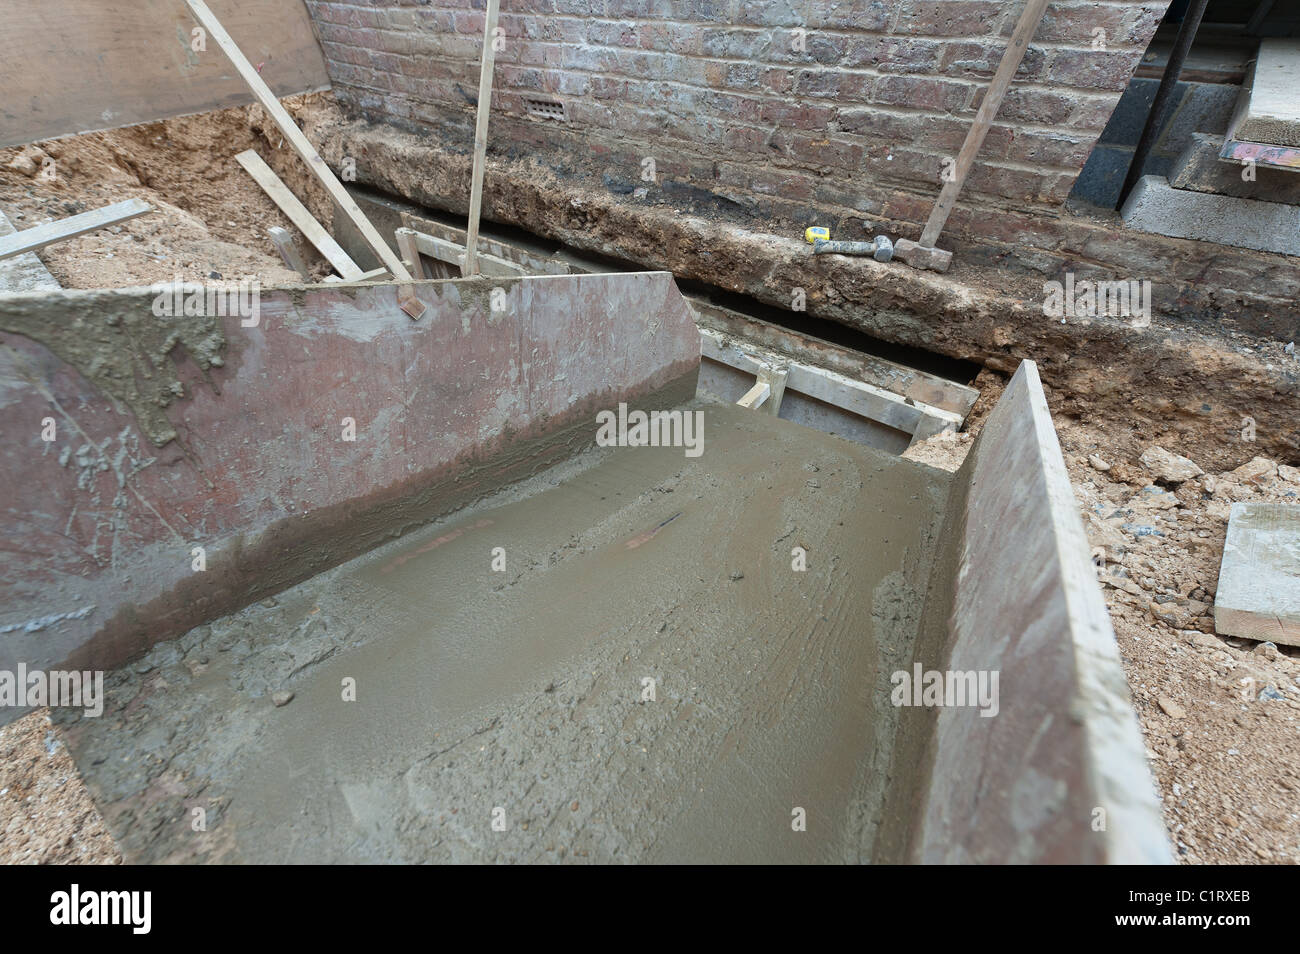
<point x="1199" y="169"/>
<point x="1155" y="206"/>
<point x="1126" y="122"/>
<point x="1204" y="108"/>
<point x="1259" y="581"/>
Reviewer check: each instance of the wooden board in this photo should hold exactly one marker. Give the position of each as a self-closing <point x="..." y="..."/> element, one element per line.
<point x="920" y="386"/>
<point x="30" y="240"/>
<point x="303" y="220"/>
<point x="1259" y="580"/>
<point x="454" y="254"/>
<point x="833" y="388"/>
<point x="72" y="66"/>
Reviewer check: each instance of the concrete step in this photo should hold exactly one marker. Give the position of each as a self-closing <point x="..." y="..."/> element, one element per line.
<point x="1156" y="207"/>
<point x="1199" y="169"/>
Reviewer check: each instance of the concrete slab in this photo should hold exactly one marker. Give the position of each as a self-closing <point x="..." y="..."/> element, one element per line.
<point x="331" y="424"/>
<point x="1155" y="206"/>
<point x="1273" y="115"/>
<point x="1259" y="580"/>
<point x="681" y="659"/>
<point x="523" y="694"/>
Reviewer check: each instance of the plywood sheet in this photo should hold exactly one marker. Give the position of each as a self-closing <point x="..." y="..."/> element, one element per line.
<point x="68" y="66"/>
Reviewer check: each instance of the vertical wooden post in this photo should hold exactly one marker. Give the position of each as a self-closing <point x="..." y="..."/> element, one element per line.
<point x="480" y="139"/>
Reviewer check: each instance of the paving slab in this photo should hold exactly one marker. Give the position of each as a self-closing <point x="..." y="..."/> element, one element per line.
<point x="1259" y="580"/>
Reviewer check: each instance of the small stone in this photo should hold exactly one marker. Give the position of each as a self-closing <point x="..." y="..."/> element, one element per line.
<point x="736" y="575"/>
<point x="1167" y="467"/>
<point x="1097" y="463"/>
<point x="573" y="807"/>
<point x="282" y="697"/>
<point x="1269" y="694"/>
<point x="1290" y="474"/>
<point x="1171" y="708"/>
<point x="1158" y="497"/>
<point x="1267" y="650"/>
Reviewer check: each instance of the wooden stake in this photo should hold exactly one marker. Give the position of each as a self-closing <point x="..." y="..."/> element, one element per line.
<point x="294" y="135"/>
<point x="283" y="243"/>
<point x="480" y="139"/>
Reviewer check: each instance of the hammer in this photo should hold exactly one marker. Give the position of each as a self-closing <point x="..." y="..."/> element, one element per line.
<point x="923" y="254"/>
<point x="879" y="248"/>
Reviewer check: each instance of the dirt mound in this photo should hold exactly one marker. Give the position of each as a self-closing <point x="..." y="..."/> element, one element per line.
<point x="211" y="217"/>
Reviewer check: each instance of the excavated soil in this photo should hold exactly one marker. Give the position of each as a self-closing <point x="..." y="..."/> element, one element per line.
<point x="210" y="218"/>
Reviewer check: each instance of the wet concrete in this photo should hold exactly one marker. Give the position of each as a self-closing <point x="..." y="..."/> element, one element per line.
<point x="520" y="696"/>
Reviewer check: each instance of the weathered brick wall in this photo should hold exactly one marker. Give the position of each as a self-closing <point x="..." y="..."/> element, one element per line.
<point x="773" y="105"/>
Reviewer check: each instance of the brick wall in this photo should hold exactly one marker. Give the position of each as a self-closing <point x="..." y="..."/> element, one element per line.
<point x="773" y="106"/>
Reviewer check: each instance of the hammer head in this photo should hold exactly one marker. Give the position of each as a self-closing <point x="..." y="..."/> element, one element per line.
<point x="922" y="256"/>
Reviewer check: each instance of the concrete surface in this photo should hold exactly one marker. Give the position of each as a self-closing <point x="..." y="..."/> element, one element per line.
<point x="1273" y="115"/>
<point x="1155" y="206"/>
<point x="431" y="692"/>
<point x="524" y="689"/>
<point x="1259" y="580"/>
<point x="1200" y="169"/>
<point x="200" y="432"/>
